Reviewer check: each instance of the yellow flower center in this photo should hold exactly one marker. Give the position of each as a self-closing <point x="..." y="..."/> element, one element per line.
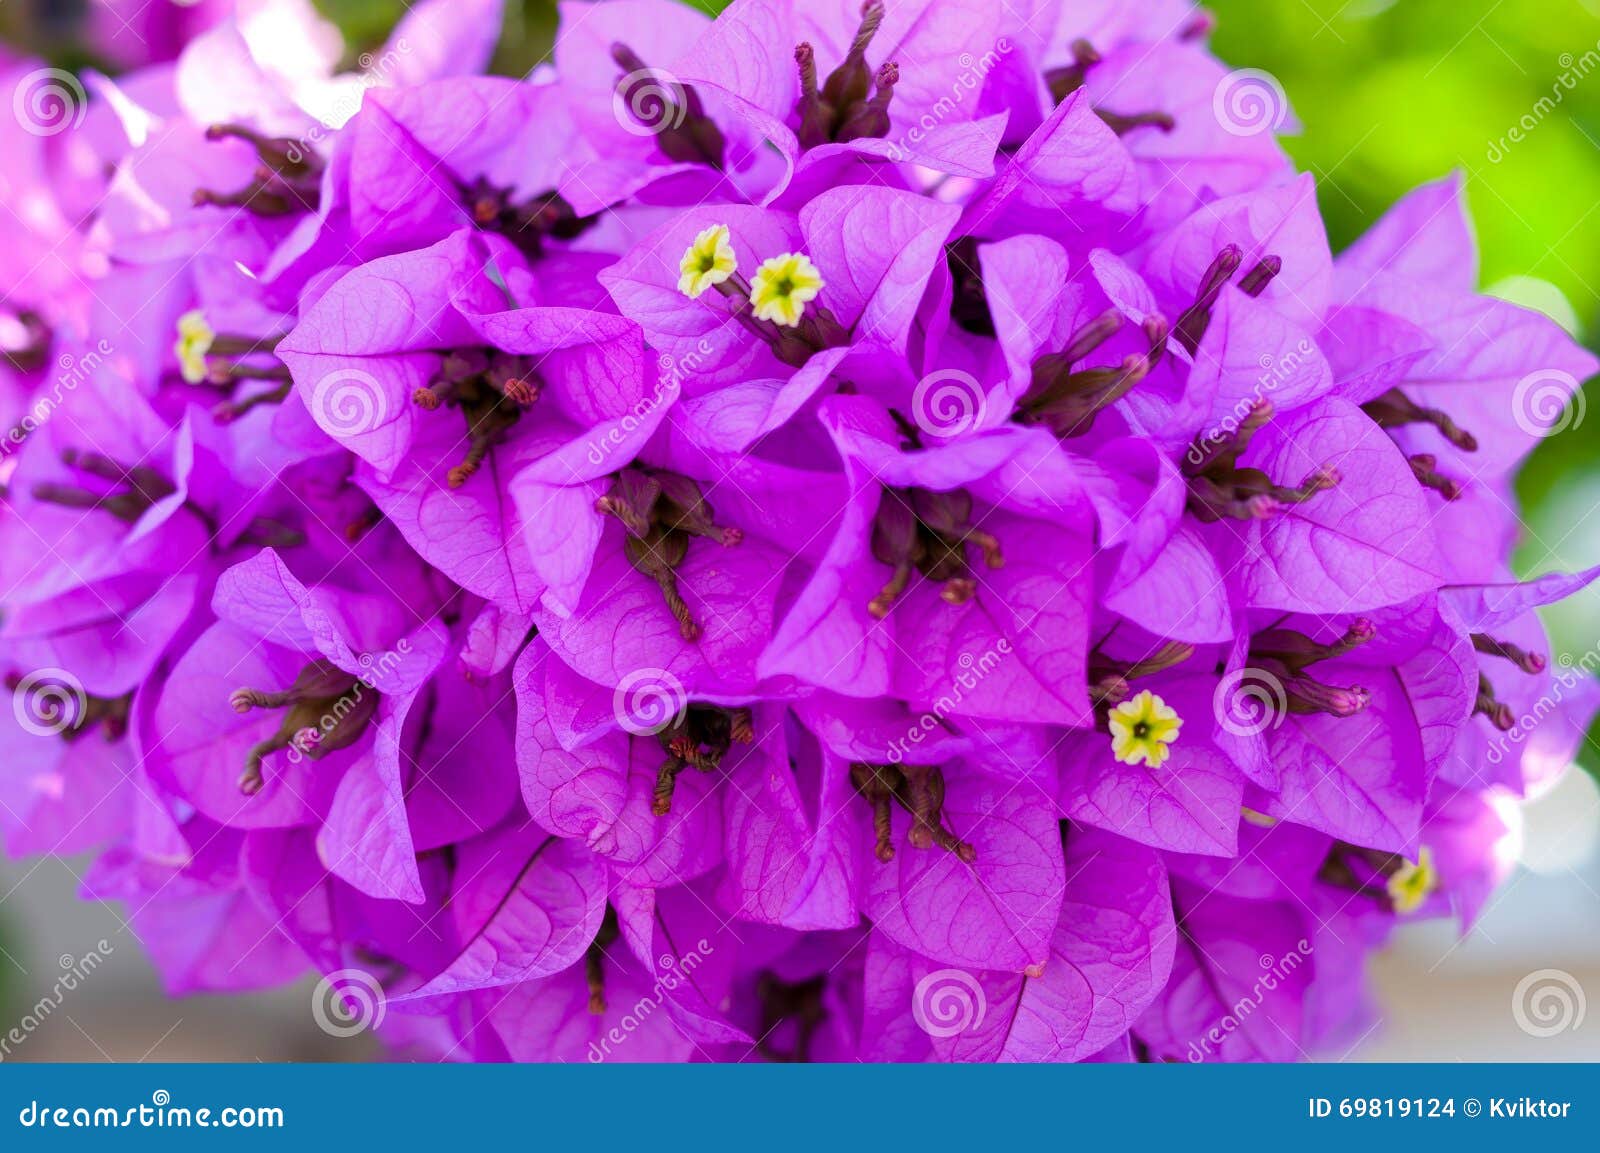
<point x="1260" y="820"/>
<point x="194" y="341"/>
<point x="1411" y="883"/>
<point x="1142" y="728"/>
<point x="783" y="286"/>
<point x="709" y="261"/>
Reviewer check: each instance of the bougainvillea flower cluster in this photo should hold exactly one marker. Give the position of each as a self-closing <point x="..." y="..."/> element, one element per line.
<point x="837" y="532"/>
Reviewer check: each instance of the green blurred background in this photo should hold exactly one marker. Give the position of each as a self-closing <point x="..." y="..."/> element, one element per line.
<point x="1389" y="93"/>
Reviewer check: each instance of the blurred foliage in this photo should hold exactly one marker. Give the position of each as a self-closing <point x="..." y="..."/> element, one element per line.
<point x="1391" y="94"/>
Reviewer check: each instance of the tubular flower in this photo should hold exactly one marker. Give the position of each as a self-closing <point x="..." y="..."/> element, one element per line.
<point x="1413" y="882"/>
<point x="783" y="286"/>
<point x="1049" y="569"/>
<point x="709" y="261"/>
<point x="195" y="338"/>
<point x="1142" y="729"/>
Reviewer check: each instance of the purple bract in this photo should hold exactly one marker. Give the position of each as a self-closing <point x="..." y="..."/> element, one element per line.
<point x="839" y="532"/>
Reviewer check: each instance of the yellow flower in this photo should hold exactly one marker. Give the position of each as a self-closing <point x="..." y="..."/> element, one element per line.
<point x="1142" y="728"/>
<point x="783" y="286"/>
<point x="1259" y="820"/>
<point x="709" y="260"/>
<point x="1411" y="883"/>
<point x="194" y="341"/>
